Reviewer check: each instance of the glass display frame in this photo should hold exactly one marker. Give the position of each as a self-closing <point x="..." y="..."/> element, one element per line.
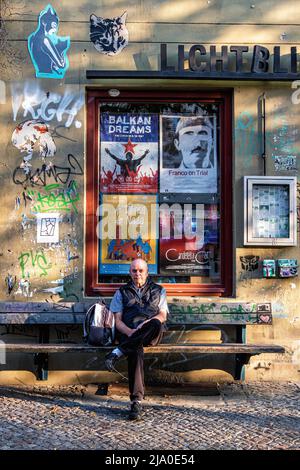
<point x="270" y="210"/>
<point x="96" y="97"/>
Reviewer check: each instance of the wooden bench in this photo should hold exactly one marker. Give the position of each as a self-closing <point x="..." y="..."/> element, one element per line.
<point x="185" y="316"/>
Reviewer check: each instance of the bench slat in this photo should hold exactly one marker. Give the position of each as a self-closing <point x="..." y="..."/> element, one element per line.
<point x="222" y="348"/>
<point x="50" y="318"/>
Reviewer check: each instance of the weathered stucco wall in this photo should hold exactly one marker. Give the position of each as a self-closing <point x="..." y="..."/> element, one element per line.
<point x="34" y="271"/>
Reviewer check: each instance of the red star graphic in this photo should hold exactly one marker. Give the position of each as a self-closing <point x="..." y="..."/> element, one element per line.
<point x="129" y="147"/>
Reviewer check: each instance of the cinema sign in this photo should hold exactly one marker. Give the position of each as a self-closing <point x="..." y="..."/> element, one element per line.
<point x="201" y="59"/>
<point x="226" y="63"/>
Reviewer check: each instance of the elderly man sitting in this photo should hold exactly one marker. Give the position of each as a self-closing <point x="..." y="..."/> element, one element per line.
<point x="140" y="309"/>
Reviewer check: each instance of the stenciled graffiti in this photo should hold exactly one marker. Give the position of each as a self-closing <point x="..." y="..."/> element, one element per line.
<point x="41" y="176"/>
<point x="29" y="134"/>
<point x="33" y="102"/>
<point x="48" y="51"/>
<point x="249" y="262"/>
<point x="109" y="36"/>
<point x="56" y="197"/>
<point x="30" y="259"/>
<point x="10" y="282"/>
<point x="285" y="163"/>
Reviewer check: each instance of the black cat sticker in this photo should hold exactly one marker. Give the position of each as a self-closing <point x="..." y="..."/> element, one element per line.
<point x="109" y="36"/>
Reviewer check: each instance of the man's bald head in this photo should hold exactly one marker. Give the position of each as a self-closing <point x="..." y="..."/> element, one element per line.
<point x="139" y="272"/>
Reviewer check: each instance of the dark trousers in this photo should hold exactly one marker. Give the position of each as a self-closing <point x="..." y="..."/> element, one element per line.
<point x="133" y="348"/>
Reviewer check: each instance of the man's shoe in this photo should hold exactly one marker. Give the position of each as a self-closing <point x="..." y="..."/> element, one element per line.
<point x="135" y="413"/>
<point x="110" y="361"/>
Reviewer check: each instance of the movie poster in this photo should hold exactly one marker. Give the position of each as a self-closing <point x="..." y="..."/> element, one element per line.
<point x="188" y="149"/>
<point x="129" y="153"/>
<point x="128" y="231"/>
<point x="189" y="240"/>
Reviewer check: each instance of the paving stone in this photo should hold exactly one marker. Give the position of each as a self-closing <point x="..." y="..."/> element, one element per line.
<point x="257" y="415"/>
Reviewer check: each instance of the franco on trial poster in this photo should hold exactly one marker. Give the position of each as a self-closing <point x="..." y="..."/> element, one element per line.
<point x="188" y="150"/>
<point x="128" y="153"/>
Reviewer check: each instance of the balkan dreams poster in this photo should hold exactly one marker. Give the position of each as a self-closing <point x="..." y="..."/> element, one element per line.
<point x="189" y="240"/>
<point x="129" y="153"/>
<point x="188" y="151"/>
<point x="128" y="231"/>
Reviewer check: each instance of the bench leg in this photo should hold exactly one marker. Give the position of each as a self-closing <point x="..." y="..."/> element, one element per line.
<point x="240" y="361"/>
<point x="41" y="361"/>
<point x="102" y="389"/>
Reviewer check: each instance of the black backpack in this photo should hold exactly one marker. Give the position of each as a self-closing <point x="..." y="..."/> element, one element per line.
<point x="99" y="325"/>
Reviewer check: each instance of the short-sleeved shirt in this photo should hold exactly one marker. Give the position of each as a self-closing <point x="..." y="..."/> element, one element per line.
<point x="116" y="304"/>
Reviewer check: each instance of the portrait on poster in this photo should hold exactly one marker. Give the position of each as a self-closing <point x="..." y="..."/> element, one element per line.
<point x="127" y="231"/>
<point x="188" y="151"/>
<point x="128" y="153"/>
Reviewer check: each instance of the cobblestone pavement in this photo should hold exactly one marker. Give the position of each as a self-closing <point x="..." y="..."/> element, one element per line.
<point x="243" y="416"/>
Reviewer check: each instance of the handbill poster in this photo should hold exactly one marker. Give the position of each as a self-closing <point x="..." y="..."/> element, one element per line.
<point x="128" y="231"/>
<point x="129" y="153"/>
<point x="188" y="150"/>
<point x="189" y="240"/>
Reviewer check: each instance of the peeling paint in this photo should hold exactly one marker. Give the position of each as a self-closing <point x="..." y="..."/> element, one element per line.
<point x="24" y="288"/>
<point x="296" y="353"/>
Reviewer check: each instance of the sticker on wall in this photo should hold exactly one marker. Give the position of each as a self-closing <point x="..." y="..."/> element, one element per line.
<point x="48" y="227"/>
<point x="269" y="268"/>
<point x="29" y="133"/>
<point x="249" y="262"/>
<point x="109" y="36"/>
<point x="285" y="163"/>
<point x="287" y="267"/>
<point x="48" y="51"/>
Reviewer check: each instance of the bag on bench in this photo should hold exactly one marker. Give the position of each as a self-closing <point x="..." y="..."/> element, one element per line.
<point x="99" y="325"/>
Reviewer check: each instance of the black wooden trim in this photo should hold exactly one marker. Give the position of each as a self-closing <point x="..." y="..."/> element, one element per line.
<point x="171" y="75"/>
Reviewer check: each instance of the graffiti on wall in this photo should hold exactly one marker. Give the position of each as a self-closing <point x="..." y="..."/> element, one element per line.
<point x="285" y="163"/>
<point x="283" y="142"/>
<point x="49" y="192"/>
<point x="298" y="206"/>
<point x="10" y="282"/>
<point x="42" y="176"/>
<point x="246" y="141"/>
<point x="31" y="134"/>
<point x="34" y="259"/>
<point x="31" y="102"/>
<point x="249" y="262"/>
<point x="109" y="36"/>
<point x="24" y="288"/>
<point x="48" y="51"/>
<point x="55" y="198"/>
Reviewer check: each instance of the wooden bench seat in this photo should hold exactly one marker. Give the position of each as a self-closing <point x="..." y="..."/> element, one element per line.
<point x="186" y="348"/>
<point x="230" y="318"/>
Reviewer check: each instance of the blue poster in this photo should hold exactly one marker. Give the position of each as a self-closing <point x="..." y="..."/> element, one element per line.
<point x="128" y="231"/>
<point x="48" y="51"/>
<point x="129" y="153"/>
